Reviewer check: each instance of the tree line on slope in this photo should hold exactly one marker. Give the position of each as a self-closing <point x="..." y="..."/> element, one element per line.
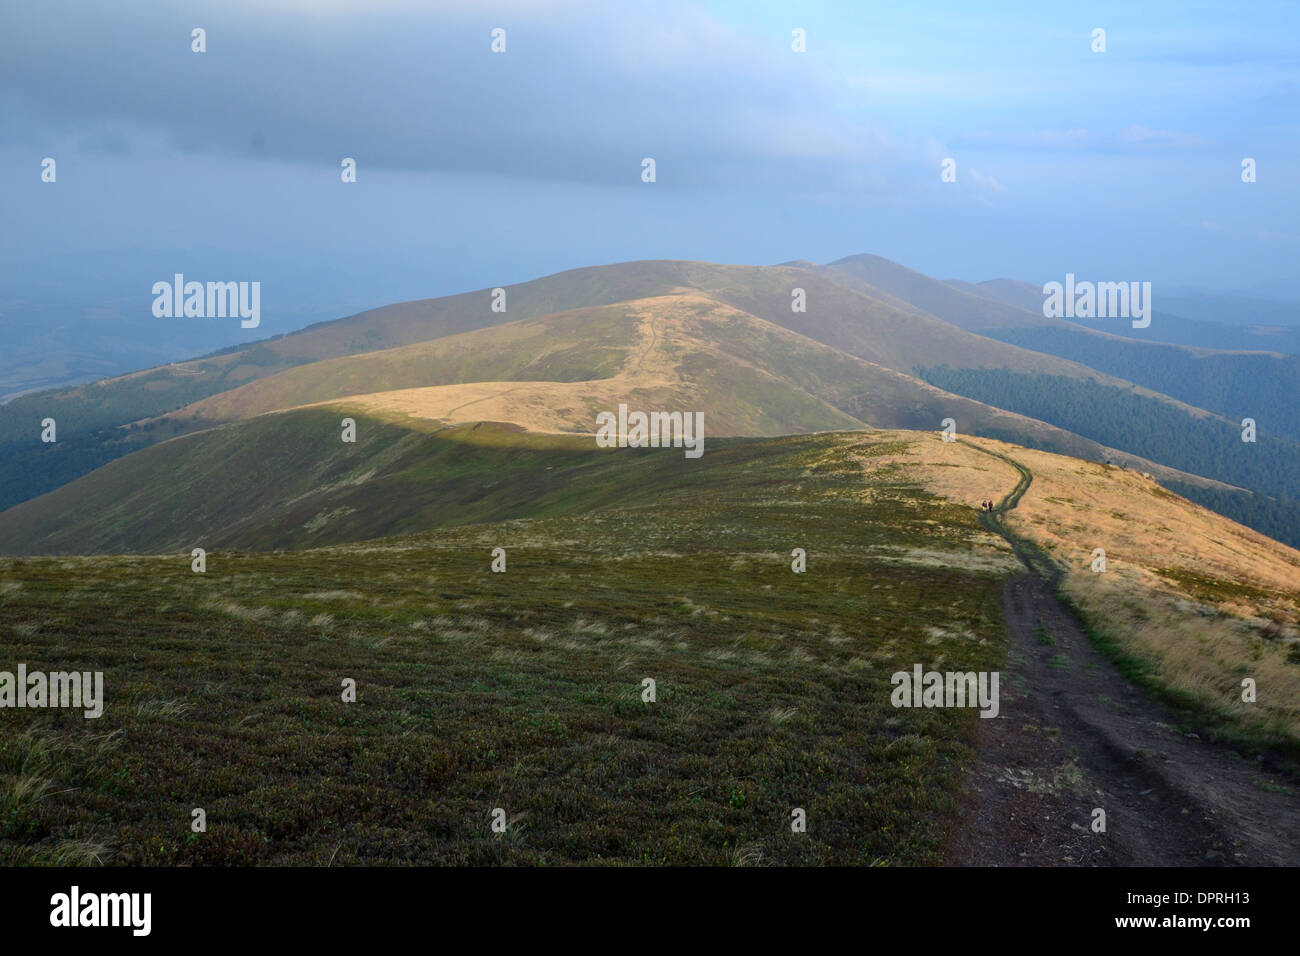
<point x="1153" y="429"/>
<point x="1255" y="385"/>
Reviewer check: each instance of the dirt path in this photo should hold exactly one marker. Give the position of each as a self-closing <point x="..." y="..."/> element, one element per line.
<point x="1073" y="735"/>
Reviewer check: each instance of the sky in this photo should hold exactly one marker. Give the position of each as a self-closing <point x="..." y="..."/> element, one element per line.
<point x="477" y="169"/>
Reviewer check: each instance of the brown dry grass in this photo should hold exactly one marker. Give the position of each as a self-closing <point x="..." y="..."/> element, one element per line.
<point x="649" y="373"/>
<point x="1200" y="600"/>
<point x="649" y="378"/>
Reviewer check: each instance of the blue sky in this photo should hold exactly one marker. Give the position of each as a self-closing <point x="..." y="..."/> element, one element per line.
<point x="478" y="169"/>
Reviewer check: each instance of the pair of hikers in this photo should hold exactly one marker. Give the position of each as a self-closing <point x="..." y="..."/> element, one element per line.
<point x="986" y="504"/>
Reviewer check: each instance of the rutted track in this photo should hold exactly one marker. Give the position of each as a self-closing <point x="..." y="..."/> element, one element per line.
<point x="1074" y="736"/>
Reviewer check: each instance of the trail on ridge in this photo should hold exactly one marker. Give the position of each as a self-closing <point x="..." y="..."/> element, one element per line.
<point x="1074" y="735"/>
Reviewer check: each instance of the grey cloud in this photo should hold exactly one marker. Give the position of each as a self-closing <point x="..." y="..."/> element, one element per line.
<point x="582" y="94"/>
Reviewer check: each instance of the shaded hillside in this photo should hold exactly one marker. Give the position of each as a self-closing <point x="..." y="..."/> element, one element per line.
<point x="287" y="480"/>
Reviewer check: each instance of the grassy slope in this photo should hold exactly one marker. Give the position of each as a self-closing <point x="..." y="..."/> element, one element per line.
<point x="749" y="376"/>
<point x="522" y="690"/>
<point x="287" y="479"/>
<point x="572" y="346"/>
<point x="392" y="480"/>
<point x="92" y="418"/>
<point x="845" y="318"/>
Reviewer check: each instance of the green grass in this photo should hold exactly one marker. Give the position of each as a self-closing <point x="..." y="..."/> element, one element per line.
<point x="519" y="690"/>
<point x="287" y="481"/>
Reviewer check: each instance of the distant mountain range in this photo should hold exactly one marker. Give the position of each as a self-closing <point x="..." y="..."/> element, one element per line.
<point x="761" y="350"/>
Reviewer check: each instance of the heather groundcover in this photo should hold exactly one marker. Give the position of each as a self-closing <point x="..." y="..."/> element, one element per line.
<point x="516" y="696"/>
